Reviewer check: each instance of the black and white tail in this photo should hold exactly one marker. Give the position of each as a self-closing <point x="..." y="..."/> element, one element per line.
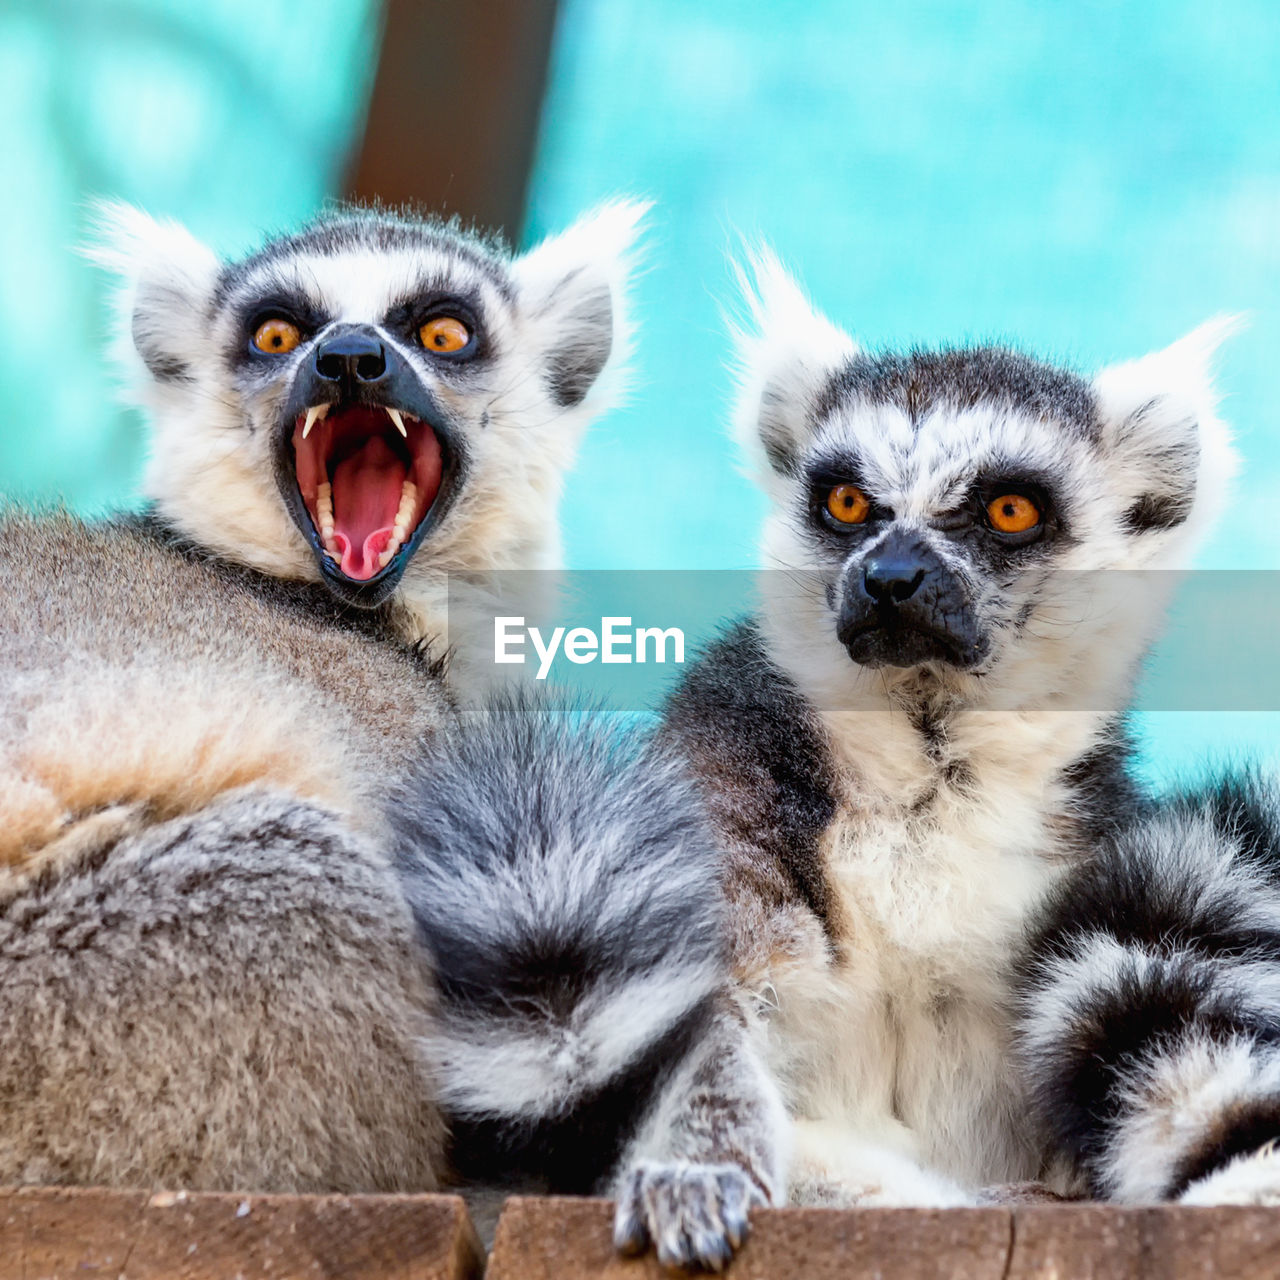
<point x="567" y="887"/>
<point x="1150" y="1007"/>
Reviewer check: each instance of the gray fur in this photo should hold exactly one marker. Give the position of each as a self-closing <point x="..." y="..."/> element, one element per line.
<point x="226" y="1000"/>
<point x="199" y="746"/>
<point x="208" y="977"/>
<point x="1149" y="1007"/>
<point x="1000" y="378"/>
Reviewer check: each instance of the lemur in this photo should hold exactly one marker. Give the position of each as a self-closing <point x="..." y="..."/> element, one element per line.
<point x="268" y="898"/>
<point x="921" y="733"/>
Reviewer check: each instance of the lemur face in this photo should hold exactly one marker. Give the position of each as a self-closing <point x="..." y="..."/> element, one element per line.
<point x="933" y="492"/>
<point x="943" y="503"/>
<point x="374" y="397"/>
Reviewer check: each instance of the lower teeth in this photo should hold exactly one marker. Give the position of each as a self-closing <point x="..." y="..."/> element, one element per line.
<point x="325" y="526"/>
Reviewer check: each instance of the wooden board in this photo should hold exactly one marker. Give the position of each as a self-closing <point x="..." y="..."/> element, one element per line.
<point x="80" y="1234"/>
<point x="77" y="1233"/>
<point x="564" y="1239"/>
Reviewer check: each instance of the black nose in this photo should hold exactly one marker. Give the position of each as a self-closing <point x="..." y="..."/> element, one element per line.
<point x="354" y="356"/>
<point x="890" y="577"/>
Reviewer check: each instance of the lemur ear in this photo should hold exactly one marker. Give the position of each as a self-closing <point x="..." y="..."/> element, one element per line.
<point x="1170" y="455"/>
<point x="572" y="293"/>
<point x="786" y="354"/>
<point x="166" y="281"/>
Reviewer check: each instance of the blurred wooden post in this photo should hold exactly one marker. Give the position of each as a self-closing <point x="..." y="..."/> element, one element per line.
<point x="453" y="121"/>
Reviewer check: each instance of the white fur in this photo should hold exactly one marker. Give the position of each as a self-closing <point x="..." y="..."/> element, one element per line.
<point x="784" y="352"/>
<point x="1097" y="964"/>
<point x="842" y="1167"/>
<point x="1252" y="1179"/>
<point x="1173" y="1102"/>
<point x="902" y="1040"/>
<point x="537" y="1068"/>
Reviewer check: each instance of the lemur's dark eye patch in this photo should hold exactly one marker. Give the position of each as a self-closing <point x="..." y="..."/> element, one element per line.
<point x="440" y="321"/>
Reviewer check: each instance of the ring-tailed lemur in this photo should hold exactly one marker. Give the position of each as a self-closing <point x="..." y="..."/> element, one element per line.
<point x="209" y="973"/>
<point x="922" y="730"/>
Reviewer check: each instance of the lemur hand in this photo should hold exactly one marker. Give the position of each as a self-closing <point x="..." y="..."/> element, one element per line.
<point x="694" y="1215"/>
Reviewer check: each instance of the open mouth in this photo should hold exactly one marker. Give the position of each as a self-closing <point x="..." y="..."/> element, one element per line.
<point x="368" y="476"/>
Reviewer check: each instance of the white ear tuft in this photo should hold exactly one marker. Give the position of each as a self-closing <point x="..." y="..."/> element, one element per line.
<point x="1170" y="455"/>
<point x="166" y="281"/>
<point x="572" y="295"/>
<point x="786" y="354"/>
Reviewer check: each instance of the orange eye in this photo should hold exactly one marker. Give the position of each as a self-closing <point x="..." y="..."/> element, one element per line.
<point x="1013" y="513"/>
<point x="444" y="334"/>
<point x="848" y="504"/>
<point x="276" y="337"/>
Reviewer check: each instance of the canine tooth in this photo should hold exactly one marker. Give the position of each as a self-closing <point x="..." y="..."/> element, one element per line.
<point x="316" y="411"/>
<point x="394" y="415"/>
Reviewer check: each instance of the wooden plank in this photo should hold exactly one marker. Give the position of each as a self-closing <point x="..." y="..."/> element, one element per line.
<point x="1079" y="1241"/>
<point x="561" y="1239"/>
<point x="1185" y="1243"/>
<point x="567" y="1239"/>
<point x="66" y="1233"/>
<point x="55" y="1233"/>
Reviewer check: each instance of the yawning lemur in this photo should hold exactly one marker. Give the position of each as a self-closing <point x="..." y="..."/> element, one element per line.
<point x="921" y="732"/>
<point x="374" y="402"/>
<point x="221" y="769"/>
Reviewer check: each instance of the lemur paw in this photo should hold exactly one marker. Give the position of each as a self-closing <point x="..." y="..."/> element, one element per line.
<point x="1249" y="1179"/>
<point x="695" y="1215"/>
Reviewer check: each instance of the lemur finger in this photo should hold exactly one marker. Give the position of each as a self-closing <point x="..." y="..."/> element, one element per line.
<point x="630" y="1223"/>
<point x="737" y="1195"/>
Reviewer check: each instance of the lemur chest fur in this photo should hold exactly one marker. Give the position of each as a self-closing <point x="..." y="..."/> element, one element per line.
<point x="902" y="1033"/>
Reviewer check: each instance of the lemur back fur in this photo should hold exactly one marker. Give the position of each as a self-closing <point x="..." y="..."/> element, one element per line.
<point x="202" y="941"/>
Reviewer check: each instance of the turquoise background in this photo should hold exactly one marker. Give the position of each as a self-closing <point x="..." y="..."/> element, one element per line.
<point x="235" y="118"/>
<point x="1089" y="179"/>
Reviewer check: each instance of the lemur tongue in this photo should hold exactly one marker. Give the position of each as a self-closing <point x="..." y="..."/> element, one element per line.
<point x="366" y="496"/>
